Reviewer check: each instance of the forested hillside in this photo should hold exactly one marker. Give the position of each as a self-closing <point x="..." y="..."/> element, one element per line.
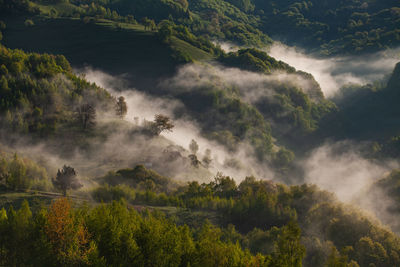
<point x="333" y="26"/>
<point x="329" y="27"/>
<point x="369" y="111"/>
<point x="163" y="133"/>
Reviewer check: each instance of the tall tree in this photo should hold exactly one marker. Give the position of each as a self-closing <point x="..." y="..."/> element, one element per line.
<point x="289" y="252"/>
<point x="66" y="179"/>
<point x="86" y="115"/>
<point x="121" y="107"/>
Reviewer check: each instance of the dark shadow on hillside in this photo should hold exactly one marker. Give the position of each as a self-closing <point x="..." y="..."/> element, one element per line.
<point x="138" y="54"/>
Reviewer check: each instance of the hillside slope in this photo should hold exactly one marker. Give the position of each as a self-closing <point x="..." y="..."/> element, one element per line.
<point x="132" y="51"/>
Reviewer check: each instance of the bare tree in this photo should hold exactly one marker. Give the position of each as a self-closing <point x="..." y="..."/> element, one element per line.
<point x="121" y="108"/>
<point x="86" y="115"/>
<point x="66" y="179"/>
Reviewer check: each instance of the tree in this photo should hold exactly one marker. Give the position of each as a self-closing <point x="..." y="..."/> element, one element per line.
<point x="29" y="23"/>
<point x="17" y="178"/>
<point x="194" y="161"/>
<point x="3" y="170"/>
<point x="161" y="123"/>
<point x="165" y="32"/>
<point x="224" y="185"/>
<point x="2" y="25"/>
<point x="289" y="252"/>
<point x="193" y="147"/>
<point x="121" y="107"/>
<point x="130" y="18"/>
<point x="68" y="235"/>
<point x="66" y="179"/>
<point x="149" y="24"/>
<point x="86" y="115"/>
<point x="207" y="158"/>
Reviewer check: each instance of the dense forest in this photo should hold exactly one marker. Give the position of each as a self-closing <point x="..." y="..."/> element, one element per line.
<point x="164" y="133"/>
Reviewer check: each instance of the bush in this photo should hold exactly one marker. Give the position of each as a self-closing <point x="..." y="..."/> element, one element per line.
<point x="29" y="23"/>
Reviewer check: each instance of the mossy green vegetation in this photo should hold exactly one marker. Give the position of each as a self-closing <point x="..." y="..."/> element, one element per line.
<point x="253" y="223"/>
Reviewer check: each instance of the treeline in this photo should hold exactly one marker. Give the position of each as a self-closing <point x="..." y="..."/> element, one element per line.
<point x="114" y="235"/>
<point x="332" y="232"/>
<point x="258" y="221"/>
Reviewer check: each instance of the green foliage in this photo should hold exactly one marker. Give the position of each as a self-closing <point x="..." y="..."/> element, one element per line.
<point x="156" y="9"/>
<point x="141" y="178"/>
<point x="368" y="112"/>
<point x="289" y="106"/>
<point x="112" y="235"/>
<point x="109" y="193"/>
<point x="222" y="20"/>
<point x="18" y="173"/>
<point x="38" y="92"/>
<point x="333" y="26"/>
<point x="255" y="60"/>
<point x="29" y="23"/>
<point x="289" y="252"/>
<point x="8" y="7"/>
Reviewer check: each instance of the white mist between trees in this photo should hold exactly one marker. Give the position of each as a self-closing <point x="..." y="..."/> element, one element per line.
<point x="336" y="167"/>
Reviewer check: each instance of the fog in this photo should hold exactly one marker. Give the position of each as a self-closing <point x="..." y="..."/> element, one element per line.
<point x="250" y="86"/>
<point x="143" y="106"/>
<point x="334" y="72"/>
<point x="340" y="168"/>
<point x="336" y="167"/>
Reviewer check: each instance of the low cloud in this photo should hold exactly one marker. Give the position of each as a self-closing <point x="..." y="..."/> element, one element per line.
<point x="340" y="168"/>
<point x="334" y="72"/>
<point x="144" y="107"/>
<point x="251" y="86"/>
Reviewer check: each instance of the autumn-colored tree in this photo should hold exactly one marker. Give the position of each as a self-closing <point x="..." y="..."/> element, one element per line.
<point x="67" y="234"/>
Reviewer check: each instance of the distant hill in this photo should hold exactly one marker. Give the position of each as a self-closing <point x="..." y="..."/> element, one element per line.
<point x="367" y="112"/>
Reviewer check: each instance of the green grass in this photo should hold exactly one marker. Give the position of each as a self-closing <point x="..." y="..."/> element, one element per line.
<point x="194" y="52"/>
<point x="60" y="8"/>
<point x="36" y="199"/>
